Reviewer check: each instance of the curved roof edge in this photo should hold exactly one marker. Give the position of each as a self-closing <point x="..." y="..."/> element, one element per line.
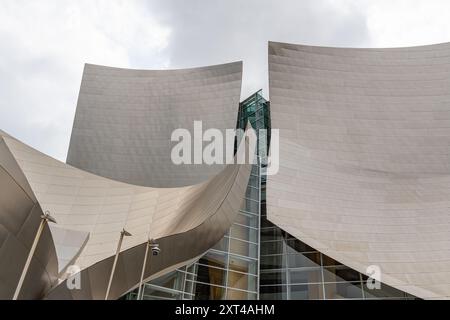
<point x="185" y="222"/>
<point x="125" y="119"/>
<point x="418" y="47"/>
<point x="196" y="68"/>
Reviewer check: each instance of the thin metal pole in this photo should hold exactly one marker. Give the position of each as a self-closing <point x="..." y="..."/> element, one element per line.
<point x="144" y="264"/>
<point x="30" y="256"/>
<point x="119" y="245"/>
<point x="322" y="276"/>
<point x="258" y="279"/>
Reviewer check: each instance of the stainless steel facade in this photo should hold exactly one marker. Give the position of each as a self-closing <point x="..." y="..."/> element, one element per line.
<point x="20" y="216"/>
<point x="125" y="118"/>
<point x="364" y="158"/>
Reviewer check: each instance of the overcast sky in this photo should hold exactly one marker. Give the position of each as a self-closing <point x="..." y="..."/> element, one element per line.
<point x="44" y="44"/>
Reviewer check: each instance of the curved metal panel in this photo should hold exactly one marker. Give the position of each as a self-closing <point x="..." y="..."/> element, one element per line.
<point x="185" y="221"/>
<point x="125" y="119"/>
<point x="365" y="158"/>
<point x="20" y="216"/>
<point x="68" y="245"/>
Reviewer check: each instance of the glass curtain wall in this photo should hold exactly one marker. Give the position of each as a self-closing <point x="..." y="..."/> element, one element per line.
<point x="290" y="269"/>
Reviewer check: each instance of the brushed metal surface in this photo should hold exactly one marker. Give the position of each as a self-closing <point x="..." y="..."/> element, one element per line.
<point x="125" y="118"/>
<point x="365" y="158"/>
<point x="184" y="221"/>
<point x="19" y="220"/>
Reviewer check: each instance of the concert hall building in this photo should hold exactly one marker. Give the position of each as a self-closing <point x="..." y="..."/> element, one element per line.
<point x="357" y="210"/>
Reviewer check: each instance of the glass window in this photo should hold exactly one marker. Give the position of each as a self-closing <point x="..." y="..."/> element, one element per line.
<point x="270" y="234"/>
<point x="272" y="293"/>
<point x="247" y="219"/>
<point x="260" y="111"/>
<point x="192" y="268"/>
<point x="205" y="291"/>
<point x="252" y="206"/>
<point x="188" y="296"/>
<point x="263" y="199"/>
<point x="272" y="247"/>
<point x="241" y="281"/>
<point x="343" y="290"/>
<point x="327" y="261"/>
<point x="384" y="292"/>
<point x="215" y="259"/>
<point x="273" y="262"/>
<point x="190" y="276"/>
<point x="240" y="295"/>
<point x="254" y="181"/>
<point x="252" y="193"/>
<point x="297" y="246"/>
<point x="340" y="273"/>
<point x="266" y="224"/>
<point x="262" y="135"/>
<point x="260" y="123"/>
<point x="243" y="265"/>
<point x="255" y="170"/>
<point x="250" y="107"/>
<point x="244" y="233"/>
<point x="189" y="287"/>
<point x="211" y="275"/>
<point x="307" y="275"/>
<point x="262" y="149"/>
<point x="303" y="260"/>
<point x="263" y="205"/>
<point x="243" y="248"/>
<point x="152" y="293"/>
<point x="272" y="277"/>
<point x="306" y="292"/>
<point x="172" y="280"/>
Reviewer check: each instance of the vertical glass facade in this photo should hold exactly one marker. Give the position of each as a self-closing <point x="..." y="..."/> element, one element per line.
<point x="291" y="269"/>
<point x="258" y="260"/>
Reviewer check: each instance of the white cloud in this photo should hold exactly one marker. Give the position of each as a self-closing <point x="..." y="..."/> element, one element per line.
<point x="408" y="22"/>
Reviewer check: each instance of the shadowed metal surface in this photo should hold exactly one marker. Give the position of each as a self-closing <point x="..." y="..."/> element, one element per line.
<point x="68" y="244"/>
<point x="20" y="216"/>
<point x="185" y="221"/>
<point x="125" y="118"/>
<point x="364" y="158"/>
